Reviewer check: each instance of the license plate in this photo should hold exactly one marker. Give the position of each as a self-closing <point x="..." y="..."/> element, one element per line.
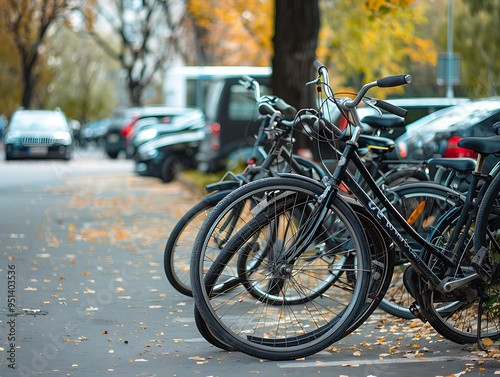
<point x="113" y="138"/>
<point x="38" y="150"/>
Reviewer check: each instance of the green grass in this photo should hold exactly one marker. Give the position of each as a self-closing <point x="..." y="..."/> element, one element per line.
<point x="200" y="180"/>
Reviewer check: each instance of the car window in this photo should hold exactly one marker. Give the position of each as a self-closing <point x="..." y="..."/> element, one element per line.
<point x="213" y="96"/>
<point x="452" y="117"/>
<point x="34" y="122"/>
<point x="417" y="113"/>
<point x="242" y="105"/>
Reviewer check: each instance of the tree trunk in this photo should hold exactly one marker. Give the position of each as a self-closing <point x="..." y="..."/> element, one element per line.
<point x="134" y="91"/>
<point x="295" y="41"/>
<point x="28" y="63"/>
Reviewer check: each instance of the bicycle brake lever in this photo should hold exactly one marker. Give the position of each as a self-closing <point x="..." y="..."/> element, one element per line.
<point x="313" y="82"/>
<point x="371" y="103"/>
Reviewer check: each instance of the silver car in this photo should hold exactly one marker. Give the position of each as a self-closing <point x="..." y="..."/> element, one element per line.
<point x="38" y="134"/>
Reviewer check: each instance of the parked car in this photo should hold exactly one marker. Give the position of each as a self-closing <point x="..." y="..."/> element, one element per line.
<point x="164" y="149"/>
<point x="231" y="122"/>
<point x="416" y="107"/>
<point x="140" y="133"/>
<point x="437" y="134"/>
<point x="38" y="134"/>
<point x="123" y="121"/>
<point x="94" y="132"/>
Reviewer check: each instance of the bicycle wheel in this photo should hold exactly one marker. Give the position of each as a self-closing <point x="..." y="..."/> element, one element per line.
<point x="177" y="253"/>
<point x="422" y="204"/>
<point x="486" y="240"/>
<point x="400" y="176"/>
<point x="456" y="315"/>
<point x="207" y="334"/>
<point x="294" y="266"/>
<point x="487" y="231"/>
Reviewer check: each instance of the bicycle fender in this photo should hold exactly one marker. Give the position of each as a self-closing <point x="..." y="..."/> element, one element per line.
<point x="222" y="185"/>
<point x="217" y="196"/>
<point x="304" y="178"/>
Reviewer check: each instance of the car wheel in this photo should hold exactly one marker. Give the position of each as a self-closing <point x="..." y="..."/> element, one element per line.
<point x="171" y="166"/>
<point x="113" y="154"/>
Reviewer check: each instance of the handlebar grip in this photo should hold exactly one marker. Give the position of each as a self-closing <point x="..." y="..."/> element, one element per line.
<point x="393" y="109"/>
<point x="322" y="123"/>
<point x="390" y="81"/>
<point x="266" y="109"/>
<point x="318" y="124"/>
<point x="287" y="110"/>
<point x="318" y="65"/>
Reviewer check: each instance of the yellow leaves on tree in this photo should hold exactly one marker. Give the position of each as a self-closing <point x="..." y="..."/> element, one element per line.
<point x="235" y="32"/>
<point x="384" y="6"/>
<point x="364" y="43"/>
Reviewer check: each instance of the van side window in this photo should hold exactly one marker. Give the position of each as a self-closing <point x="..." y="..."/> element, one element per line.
<point x="242" y="104"/>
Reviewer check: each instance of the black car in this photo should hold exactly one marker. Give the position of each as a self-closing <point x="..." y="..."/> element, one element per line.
<point x="231" y="122"/>
<point x="164" y="149"/>
<point x="437" y="134"/>
<point x="38" y="134"/>
<point x="94" y="132"/>
<point x="121" y="126"/>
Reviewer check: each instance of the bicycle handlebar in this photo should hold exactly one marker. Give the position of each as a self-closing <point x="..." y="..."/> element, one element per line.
<point x="393" y="109"/>
<point x="318" y="123"/>
<point x="268" y="105"/>
<point x="385" y="82"/>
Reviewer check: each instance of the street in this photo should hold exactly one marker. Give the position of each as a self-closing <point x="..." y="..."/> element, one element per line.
<point x="84" y="292"/>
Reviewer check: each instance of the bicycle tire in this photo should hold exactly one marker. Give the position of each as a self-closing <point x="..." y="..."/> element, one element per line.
<point x="177" y="252"/>
<point x="256" y="340"/>
<point x="454" y="315"/>
<point x="204" y="330"/>
<point x="422" y="204"/>
<point x="398" y="177"/>
<point x="488" y="218"/>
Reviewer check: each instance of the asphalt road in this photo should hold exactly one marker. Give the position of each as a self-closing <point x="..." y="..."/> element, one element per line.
<point x="83" y="292"/>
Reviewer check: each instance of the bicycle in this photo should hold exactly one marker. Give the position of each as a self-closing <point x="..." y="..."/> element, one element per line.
<point x="278" y="134"/>
<point x="273" y="131"/>
<point x="322" y="207"/>
<point x="468" y="233"/>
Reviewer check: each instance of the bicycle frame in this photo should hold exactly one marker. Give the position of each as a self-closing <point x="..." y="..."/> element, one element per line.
<point x="342" y="175"/>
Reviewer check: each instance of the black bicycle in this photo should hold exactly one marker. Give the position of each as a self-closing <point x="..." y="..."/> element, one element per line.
<point x="305" y="228"/>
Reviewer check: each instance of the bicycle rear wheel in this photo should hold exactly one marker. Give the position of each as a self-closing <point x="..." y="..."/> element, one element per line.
<point x="456" y="315"/>
<point x="422" y="204"/>
<point x="327" y="281"/>
<point x="177" y="253"/>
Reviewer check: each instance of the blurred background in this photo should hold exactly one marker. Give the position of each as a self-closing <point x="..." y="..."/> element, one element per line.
<point x="90" y="57"/>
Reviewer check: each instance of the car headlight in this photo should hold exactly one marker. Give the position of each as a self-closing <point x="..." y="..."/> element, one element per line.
<point x="12" y="137"/>
<point x="145" y="135"/>
<point x="62" y="137"/>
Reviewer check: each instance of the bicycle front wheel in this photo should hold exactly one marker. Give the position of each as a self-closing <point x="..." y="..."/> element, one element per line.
<point x="303" y="278"/>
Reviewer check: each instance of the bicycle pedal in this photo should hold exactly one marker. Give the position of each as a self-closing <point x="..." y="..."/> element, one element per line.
<point x="415" y="310"/>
